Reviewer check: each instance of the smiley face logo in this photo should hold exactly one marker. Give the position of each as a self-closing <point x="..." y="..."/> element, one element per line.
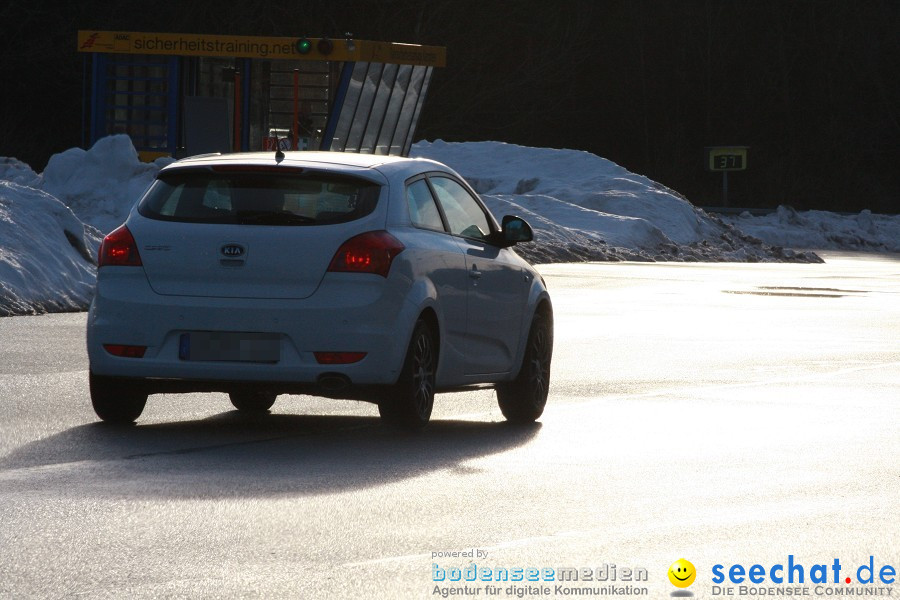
<point x="682" y="573"/>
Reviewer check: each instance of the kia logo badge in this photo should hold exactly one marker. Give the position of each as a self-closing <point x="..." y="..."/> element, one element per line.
<point x="233" y="251"/>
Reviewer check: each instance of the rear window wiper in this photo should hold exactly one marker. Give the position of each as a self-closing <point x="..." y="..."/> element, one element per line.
<point x="267" y="217"/>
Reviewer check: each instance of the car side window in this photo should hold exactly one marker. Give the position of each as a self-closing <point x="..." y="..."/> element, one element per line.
<point x="422" y="208"/>
<point x="464" y="215"/>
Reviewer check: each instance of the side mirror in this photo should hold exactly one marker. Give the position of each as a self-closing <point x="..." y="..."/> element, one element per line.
<point x="515" y="230"/>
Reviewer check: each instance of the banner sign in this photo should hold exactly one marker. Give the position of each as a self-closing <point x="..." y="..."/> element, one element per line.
<point x="245" y="46"/>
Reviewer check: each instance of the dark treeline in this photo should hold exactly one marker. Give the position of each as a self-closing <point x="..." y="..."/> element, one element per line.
<point x="812" y="86"/>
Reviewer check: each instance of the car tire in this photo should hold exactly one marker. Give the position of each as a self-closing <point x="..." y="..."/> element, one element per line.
<point x="410" y="401"/>
<point x="523" y="399"/>
<point x="252" y="402"/>
<point x="115" y="401"/>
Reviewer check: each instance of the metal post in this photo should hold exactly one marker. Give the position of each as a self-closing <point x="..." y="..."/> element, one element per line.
<point x="84" y="100"/>
<point x="173" y="118"/>
<point x="245" y="100"/>
<point x="724" y="188"/>
<point x="295" y="126"/>
<point x="237" y="111"/>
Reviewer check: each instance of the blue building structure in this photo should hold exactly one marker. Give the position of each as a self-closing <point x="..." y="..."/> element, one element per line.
<point x="183" y="94"/>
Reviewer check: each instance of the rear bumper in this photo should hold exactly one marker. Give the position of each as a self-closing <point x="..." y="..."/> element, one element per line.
<point x="329" y="385"/>
<point x="348" y="313"/>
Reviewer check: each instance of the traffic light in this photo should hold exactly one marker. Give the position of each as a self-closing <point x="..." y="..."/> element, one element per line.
<point x="325" y="46"/>
<point x="304" y="45"/>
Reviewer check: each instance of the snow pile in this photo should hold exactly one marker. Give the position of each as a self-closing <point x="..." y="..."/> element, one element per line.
<point x="18" y="172"/>
<point x="51" y="224"/>
<point x="584" y="207"/>
<point x="823" y="230"/>
<point x="46" y="253"/>
<point x="100" y="185"/>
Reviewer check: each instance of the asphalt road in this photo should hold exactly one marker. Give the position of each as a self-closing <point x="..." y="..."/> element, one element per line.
<point x="727" y="414"/>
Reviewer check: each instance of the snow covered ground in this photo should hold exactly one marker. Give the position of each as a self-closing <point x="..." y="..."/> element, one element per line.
<point x="581" y="206"/>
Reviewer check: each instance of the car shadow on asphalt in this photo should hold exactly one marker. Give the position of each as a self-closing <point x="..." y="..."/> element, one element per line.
<point x="234" y="455"/>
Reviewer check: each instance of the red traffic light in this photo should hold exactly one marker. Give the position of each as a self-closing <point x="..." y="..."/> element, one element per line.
<point x="325" y="46"/>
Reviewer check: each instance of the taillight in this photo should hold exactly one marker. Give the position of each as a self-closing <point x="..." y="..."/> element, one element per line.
<point x="339" y="358"/>
<point x="119" y="249"/>
<point x="125" y="351"/>
<point x="371" y="252"/>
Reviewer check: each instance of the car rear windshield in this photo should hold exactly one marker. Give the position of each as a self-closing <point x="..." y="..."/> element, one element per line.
<point x="258" y="198"/>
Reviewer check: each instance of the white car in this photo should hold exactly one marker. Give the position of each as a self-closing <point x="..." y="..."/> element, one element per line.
<point x="364" y="277"/>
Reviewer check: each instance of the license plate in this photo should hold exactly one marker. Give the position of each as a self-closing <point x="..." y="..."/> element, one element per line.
<point x="230" y="346"/>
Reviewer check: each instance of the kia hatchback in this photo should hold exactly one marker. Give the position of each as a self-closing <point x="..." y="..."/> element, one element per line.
<point x="364" y="277"/>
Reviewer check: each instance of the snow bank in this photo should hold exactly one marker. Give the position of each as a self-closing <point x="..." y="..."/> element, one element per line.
<point x="46" y="253"/>
<point x="16" y="171"/>
<point x="100" y="185"/>
<point x="51" y="224"/>
<point x="584" y="207"/>
<point x="823" y="230"/>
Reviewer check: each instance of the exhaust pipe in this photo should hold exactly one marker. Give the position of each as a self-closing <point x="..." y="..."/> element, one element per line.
<point x="333" y="383"/>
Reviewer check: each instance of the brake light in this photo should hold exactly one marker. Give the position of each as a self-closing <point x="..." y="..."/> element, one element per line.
<point x="371" y="252"/>
<point x="125" y="351"/>
<point x="339" y="358"/>
<point x="283" y="170"/>
<point x="119" y="249"/>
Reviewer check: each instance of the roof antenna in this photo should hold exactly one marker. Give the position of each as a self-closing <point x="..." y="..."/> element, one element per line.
<point x="279" y="155"/>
